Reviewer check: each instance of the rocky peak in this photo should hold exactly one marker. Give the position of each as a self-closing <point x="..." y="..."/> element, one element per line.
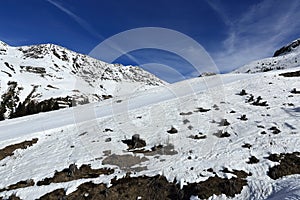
<point x="288" y="48"/>
<point x="3" y="47"/>
<point x="2" y="44"/>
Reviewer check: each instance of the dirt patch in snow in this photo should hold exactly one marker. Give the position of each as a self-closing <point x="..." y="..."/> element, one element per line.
<point x="73" y="173"/>
<point x="290" y="74"/>
<point x="125" y="162"/>
<point x="289" y="164"/>
<point x="156" y="187"/>
<point x="20" y="184"/>
<point x="158" y="150"/>
<point x="9" y="150"/>
<point x="55" y="195"/>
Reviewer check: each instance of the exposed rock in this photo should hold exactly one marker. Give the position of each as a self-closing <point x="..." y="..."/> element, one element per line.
<point x="224" y="122"/>
<point x="253" y="160"/>
<point x="287" y="49"/>
<point x="202" y="110"/>
<point x="295" y="91"/>
<point x="243" y="118"/>
<point x="274" y="130"/>
<point x="242" y="93"/>
<point x="135" y="142"/>
<point x="222" y="134"/>
<point x="187" y="113"/>
<point x="247" y="145"/>
<point x="198" y="137"/>
<point x="172" y="130"/>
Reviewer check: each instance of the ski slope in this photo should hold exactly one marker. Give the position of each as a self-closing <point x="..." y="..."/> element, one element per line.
<point x="92" y="134"/>
<point x="38" y="123"/>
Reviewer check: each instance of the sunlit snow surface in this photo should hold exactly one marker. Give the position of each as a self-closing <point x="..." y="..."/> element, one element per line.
<point x="151" y="114"/>
<point x="67" y="73"/>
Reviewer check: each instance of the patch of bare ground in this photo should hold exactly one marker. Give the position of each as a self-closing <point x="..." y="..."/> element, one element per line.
<point x="125" y="162"/>
<point x="289" y="164"/>
<point x="20" y="184"/>
<point x="158" y="150"/>
<point x="73" y="173"/>
<point x="238" y="173"/>
<point x="290" y="74"/>
<point x="9" y="150"/>
<point x="150" y="188"/>
<point x="214" y="185"/>
<point x="58" y="194"/>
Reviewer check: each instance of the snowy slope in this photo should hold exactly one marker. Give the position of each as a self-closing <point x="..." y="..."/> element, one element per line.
<point x="93" y="134"/>
<point x="284" y="58"/>
<point x="48" y="71"/>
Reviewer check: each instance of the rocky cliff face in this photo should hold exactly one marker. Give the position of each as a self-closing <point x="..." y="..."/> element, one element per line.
<point x="294" y="46"/>
<point x="50" y="73"/>
<point x="284" y="58"/>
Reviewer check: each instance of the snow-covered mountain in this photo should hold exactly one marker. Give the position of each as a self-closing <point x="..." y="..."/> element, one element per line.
<point x="293" y="47"/>
<point x="52" y="77"/>
<point x="230" y="136"/>
<point x="286" y="57"/>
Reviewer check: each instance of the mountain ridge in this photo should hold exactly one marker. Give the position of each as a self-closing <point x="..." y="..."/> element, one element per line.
<point x="283" y="58"/>
<point x="291" y="47"/>
<point x="45" y="71"/>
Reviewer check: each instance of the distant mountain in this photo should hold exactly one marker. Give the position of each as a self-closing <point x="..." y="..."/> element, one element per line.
<point x="48" y="77"/>
<point x="286" y="57"/>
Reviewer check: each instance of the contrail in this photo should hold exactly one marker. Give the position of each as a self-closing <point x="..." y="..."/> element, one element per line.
<point x="80" y="21"/>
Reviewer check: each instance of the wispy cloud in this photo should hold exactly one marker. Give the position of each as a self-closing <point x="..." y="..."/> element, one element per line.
<point x="78" y="19"/>
<point x="256" y="33"/>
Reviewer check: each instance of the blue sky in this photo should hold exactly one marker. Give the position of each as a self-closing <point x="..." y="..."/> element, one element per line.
<point x="232" y="32"/>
